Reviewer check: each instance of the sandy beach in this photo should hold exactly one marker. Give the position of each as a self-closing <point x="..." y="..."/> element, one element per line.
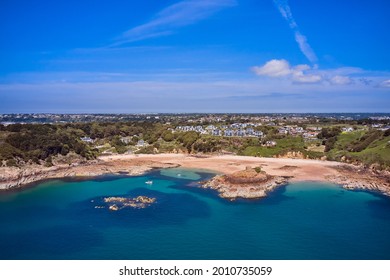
<point x="299" y="169"/>
<point x="348" y="176"/>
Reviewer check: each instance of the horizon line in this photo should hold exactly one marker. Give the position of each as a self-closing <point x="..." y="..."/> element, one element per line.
<point x="183" y="113"/>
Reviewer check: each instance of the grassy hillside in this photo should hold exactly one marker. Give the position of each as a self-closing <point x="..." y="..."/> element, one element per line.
<point x="367" y="147"/>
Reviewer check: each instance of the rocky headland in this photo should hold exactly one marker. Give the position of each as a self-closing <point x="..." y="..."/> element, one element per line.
<point x="361" y="178"/>
<point x="14" y="177"/>
<point x="250" y="183"/>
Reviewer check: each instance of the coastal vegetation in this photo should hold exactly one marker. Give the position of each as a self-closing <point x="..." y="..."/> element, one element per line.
<point x="369" y="147"/>
<point x="40" y="142"/>
<point x="364" y="142"/>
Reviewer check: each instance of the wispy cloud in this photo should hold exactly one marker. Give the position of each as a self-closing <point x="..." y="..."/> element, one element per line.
<point x="168" y="20"/>
<point x="385" y="84"/>
<point x="341" y="80"/>
<point x="304" y="46"/>
<point x="365" y="81"/>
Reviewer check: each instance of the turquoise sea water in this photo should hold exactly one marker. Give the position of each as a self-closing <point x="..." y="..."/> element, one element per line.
<point x="57" y="220"/>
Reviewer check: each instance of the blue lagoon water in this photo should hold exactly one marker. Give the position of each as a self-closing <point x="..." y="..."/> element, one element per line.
<point x="58" y="220"/>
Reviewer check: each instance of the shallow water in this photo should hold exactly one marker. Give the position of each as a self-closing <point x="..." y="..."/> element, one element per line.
<point x="57" y="220"/>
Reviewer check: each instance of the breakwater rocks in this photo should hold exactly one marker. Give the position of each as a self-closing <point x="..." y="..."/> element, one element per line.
<point x="250" y="183"/>
<point x="115" y="203"/>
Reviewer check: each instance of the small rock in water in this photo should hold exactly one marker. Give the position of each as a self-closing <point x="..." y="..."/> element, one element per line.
<point x="118" y="203"/>
<point x="113" y="207"/>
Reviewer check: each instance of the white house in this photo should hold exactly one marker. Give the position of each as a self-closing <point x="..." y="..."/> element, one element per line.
<point x="347" y="129"/>
<point x="87" y="139"/>
<point x="270" y="143"/>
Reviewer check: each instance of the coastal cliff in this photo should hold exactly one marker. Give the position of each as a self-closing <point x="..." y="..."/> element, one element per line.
<point x="250" y="183"/>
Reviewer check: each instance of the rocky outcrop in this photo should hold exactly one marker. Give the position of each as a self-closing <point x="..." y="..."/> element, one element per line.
<point x="115" y="203"/>
<point x="13" y="177"/>
<point x="293" y="154"/>
<point x="17" y="177"/>
<point x="351" y="177"/>
<point x="249" y="183"/>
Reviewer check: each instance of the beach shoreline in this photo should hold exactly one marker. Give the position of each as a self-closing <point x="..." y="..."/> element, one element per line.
<point x="348" y="176"/>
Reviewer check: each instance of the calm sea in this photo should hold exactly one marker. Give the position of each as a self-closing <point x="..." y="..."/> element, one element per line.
<point x="58" y="220"/>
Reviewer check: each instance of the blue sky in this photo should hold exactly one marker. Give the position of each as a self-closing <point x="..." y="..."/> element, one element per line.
<point x="146" y="56"/>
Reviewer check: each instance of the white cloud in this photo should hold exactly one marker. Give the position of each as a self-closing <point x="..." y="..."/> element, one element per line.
<point x="304" y="46"/>
<point x="175" y="16"/>
<point x="299" y="76"/>
<point x="340" y="80"/>
<point x="385" y="84"/>
<point x="344" y="78"/>
<point x="275" y="68"/>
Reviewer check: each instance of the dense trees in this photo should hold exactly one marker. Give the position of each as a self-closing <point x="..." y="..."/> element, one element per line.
<point x="8" y="151"/>
<point x="207" y="145"/>
<point x="42" y="143"/>
<point x="328" y="132"/>
<point x="168" y="136"/>
<point x="119" y="145"/>
<point x="329" y="136"/>
<point x="38" y="143"/>
<point x="329" y="143"/>
<point x="188" y="138"/>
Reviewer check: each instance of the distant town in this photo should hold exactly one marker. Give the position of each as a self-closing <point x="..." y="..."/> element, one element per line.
<point x="191" y="118"/>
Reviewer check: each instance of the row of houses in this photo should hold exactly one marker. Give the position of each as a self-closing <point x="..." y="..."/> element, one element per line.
<point x="249" y="132"/>
<point x="308" y="133"/>
<point x="384" y="128"/>
<point x="226" y="131"/>
<point x="380" y="126"/>
<point x="292" y="130"/>
<point x="243" y="125"/>
<point x="187" y="128"/>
